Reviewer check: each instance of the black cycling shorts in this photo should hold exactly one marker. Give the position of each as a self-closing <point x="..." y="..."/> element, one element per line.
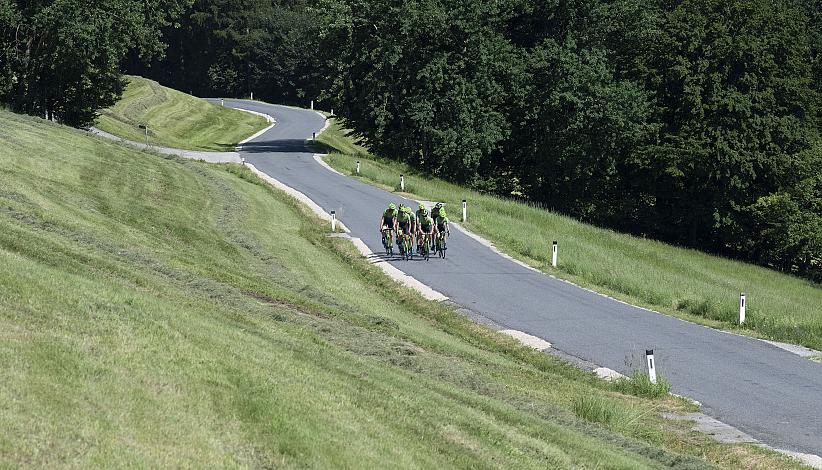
<point x="389" y="221"/>
<point x="405" y="227"/>
<point x="441" y="227"/>
<point x="426" y="228"/>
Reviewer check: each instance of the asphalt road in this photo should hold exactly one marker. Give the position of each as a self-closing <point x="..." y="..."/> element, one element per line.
<point x="769" y="393"/>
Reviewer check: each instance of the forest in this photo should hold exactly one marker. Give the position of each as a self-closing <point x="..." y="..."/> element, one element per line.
<point x="695" y="122"/>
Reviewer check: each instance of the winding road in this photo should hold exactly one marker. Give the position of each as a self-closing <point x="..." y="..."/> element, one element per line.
<point x="767" y="392"/>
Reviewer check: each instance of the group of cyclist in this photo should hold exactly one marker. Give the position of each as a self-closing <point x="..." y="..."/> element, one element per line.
<point x="422" y="224"/>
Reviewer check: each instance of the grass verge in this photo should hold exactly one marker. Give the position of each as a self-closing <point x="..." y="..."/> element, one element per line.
<point x="158" y="312"/>
<point x="676" y="281"/>
<point x="175" y="119"/>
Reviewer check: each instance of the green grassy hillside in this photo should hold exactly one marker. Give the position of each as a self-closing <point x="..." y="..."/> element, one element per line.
<point x="176" y="119"/>
<point x="158" y="312"/>
<point x="680" y="282"/>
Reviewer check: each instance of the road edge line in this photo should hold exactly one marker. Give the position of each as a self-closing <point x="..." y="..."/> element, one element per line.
<point x="267" y="117"/>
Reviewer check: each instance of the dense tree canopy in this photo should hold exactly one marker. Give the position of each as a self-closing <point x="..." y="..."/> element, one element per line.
<point x="61" y="58"/>
<point x="692" y="121"/>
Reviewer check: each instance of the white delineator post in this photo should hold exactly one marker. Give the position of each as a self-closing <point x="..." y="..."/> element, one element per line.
<point x="252" y="96"/>
<point x="312" y="105"/>
<point x="358" y="167"/>
<point x="649" y="358"/>
<point x="333" y="221"/>
<point x="402" y="183"/>
<point x="242" y="160"/>
<point x="464" y="210"/>
<point x="742" y="308"/>
<point x="222" y="102"/>
<point x="554" y="254"/>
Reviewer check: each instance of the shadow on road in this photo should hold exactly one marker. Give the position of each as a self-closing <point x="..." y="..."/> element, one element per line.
<point x="277" y="146"/>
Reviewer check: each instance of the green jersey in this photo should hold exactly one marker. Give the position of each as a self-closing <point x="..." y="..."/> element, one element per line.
<point x="442" y="220"/>
<point x="389" y="214"/>
<point x="426" y="222"/>
<point x="404" y="217"/>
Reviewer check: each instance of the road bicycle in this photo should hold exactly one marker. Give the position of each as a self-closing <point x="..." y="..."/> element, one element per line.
<point x="386" y="241"/>
<point x="441" y="244"/>
<point x="406" y="247"/>
<point x="425" y="247"/>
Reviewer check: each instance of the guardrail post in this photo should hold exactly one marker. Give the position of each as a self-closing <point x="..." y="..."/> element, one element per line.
<point x="742" y="307"/>
<point x="649" y="358"/>
<point x="464" y="210"/>
<point x="333" y="221"/>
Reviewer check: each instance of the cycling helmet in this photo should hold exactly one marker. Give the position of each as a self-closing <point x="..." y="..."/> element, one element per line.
<point x="422" y="207"/>
<point x="392" y="207"/>
<point x="439" y="205"/>
<point x="443" y="214"/>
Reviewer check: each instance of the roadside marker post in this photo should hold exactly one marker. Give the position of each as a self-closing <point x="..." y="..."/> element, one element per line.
<point x="332" y="111"/>
<point x="464" y="210"/>
<point x="312" y="105"/>
<point x="554" y="254"/>
<point x="402" y="183"/>
<point x="142" y="126"/>
<point x="252" y="96"/>
<point x="358" y="167"/>
<point x="313" y="137"/>
<point x="333" y="221"/>
<point x="222" y="102"/>
<point x="242" y="160"/>
<point x="742" y="308"/>
<point x="649" y="357"/>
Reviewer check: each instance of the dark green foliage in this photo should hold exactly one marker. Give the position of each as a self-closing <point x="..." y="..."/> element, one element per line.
<point x="61" y="58"/>
<point x="423" y="81"/>
<point x="236" y="47"/>
<point x="734" y="86"/>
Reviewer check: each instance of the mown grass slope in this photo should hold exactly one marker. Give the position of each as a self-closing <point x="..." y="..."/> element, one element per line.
<point x="175" y="119"/>
<point x="156" y="312"/>
<point x="677" y="281"/>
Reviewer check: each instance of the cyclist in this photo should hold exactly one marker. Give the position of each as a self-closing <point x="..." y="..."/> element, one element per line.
<point x="426" y="229"/>
<point x="435" y="212"/>
<point x="421" y="212"/>
<point x="442" y="222"/>
<point x="388" y="220"/>
<point x="405" y="222"/>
